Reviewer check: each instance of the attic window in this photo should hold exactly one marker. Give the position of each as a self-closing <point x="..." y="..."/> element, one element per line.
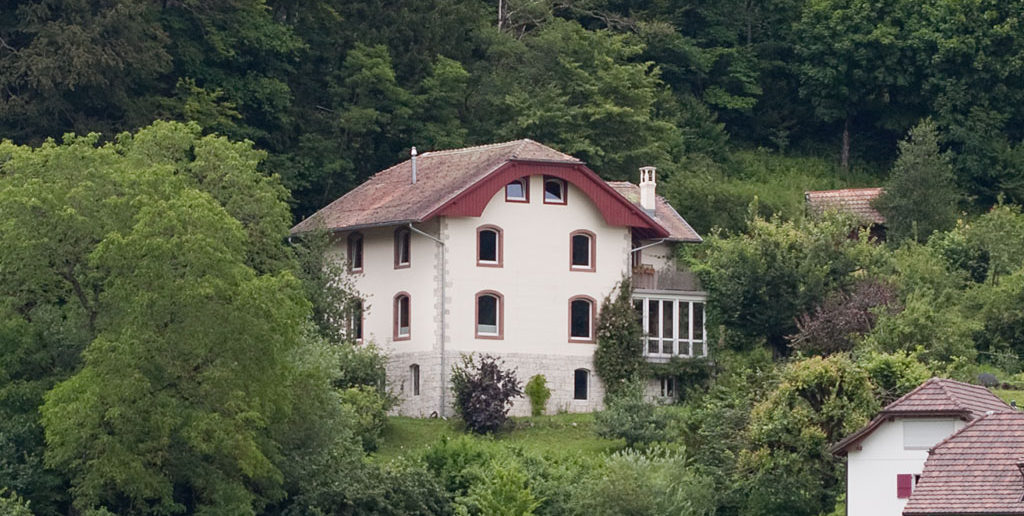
<point x="554" y="190"/>
<point x="518" y="190"/>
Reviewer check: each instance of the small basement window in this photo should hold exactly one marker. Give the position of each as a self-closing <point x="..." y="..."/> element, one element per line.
<point x="554" y="191"/>
<point x="581" y="384"/>
<point x="518" y="190"/>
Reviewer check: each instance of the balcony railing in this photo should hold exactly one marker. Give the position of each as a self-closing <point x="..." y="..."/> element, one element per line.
<point x="646" y="278"/>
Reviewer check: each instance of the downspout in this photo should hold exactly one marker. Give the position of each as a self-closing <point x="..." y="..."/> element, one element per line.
<point x="443" y="384"/>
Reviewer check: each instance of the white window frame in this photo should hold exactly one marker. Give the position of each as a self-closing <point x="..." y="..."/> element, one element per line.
<point x="684" y="343"/>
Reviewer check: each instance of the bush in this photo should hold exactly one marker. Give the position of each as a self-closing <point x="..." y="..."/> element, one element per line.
<point x="367" y="410"/>
<point x="539" y="394"/>
<point x="628" y="416"/>
<point x="483" y="392"/>
<point x="893" y="375"/>
<point x="502" y="492"/>
<point x="13" y="505"/>
<point x="619" y="354"/>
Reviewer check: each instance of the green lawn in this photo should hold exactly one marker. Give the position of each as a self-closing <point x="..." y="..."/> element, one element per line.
<point x="563" y="433"/>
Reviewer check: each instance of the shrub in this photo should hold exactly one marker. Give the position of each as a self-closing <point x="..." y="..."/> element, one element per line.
<point x="367" y="410"/>
<point x="628" y="416"/>
<point x="456" y="462"/>
<point x="502" y="492"/>
<point x="836" y="324"/>
<point x="619" y="349"/>
<point x="539" y="394"/>
<point x="484" y="392"/>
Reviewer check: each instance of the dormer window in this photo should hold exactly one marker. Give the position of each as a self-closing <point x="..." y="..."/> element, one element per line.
<point x="518" y="190"/>
<point x="402" y="247"/>
<point x="488" y="246"/>
<point x="554" y="190"/>
<point x="355" y="252"/>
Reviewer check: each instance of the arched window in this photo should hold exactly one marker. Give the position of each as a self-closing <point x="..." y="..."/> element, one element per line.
<point x="518" y="190"/>
<point x="490" y="319"/>
<point x="355" y="252"/>
<point x="414" y="379"/>
<point x="355" y="321"/>
<point x="554" y="190"/>
<point x="581" y="384"/>
<point x="402" y="247"/>
<point x="402" y="326"/>
<point x="488" y="246"/>
<point x="582" y="251"/>
<point x="581" y="319"/>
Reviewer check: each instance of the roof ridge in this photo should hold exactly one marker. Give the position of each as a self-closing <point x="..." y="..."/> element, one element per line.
<point x="952" y="397"/>
<point x="864" y="188"/>
<point x="471" y="148"/>
<point x="958" y="432"/>
<point x="909" y="394"/>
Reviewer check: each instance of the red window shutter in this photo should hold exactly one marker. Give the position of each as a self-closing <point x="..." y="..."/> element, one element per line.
<point x="904" y="485"/>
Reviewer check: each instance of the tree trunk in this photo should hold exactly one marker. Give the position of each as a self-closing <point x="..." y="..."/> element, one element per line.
<point x="844" y="154"/>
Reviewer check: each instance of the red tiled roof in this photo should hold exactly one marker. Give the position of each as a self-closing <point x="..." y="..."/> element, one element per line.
<point x="389" y="197"/>
<point x="452" y="181"/>
<point x="856" y="201"/>
<point x="974" y="471"/>
<point x="937" y="396"/>
<point x="679" y="230"/>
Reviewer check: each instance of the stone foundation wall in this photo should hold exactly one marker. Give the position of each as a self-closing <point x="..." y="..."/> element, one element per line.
<point x="559" y="371"/>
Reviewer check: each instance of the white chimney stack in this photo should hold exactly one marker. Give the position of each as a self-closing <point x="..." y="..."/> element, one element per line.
<point x="647" y="185"/>
<point x="413" y="165"/>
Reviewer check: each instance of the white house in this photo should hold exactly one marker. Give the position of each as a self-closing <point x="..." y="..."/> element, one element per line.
<point x="886" y="457"/>
<point x="509" y="249"/>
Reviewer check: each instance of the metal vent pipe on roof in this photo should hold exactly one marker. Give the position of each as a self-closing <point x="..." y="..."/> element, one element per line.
<point x="413" y="165"/>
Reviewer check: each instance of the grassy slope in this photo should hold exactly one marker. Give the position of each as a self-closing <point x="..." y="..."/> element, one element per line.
<point x="564" y="433"/>
<point x="1010" y="395"/>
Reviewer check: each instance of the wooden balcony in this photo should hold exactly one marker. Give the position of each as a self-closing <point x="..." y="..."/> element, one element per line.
<point x="646" y="278"/>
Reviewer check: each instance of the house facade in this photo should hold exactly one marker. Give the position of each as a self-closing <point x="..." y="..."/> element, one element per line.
<point x="508" y="249"/>
<point x="886" y="457"/>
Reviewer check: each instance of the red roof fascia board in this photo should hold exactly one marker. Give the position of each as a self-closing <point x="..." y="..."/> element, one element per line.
<point x="616" y="210"/>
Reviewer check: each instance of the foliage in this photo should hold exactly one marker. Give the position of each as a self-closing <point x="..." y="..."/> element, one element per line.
<point x="920" y="197"/>
<point x="13" y="505"/>
<point x="627" y="415"/>
<point x="483" y="392"/>
<point x="327" y="286"/>
<point x="660" y="481"/>
<point x="759" y="282"/>
<point x="501" y="492"/>
<point x="539" y="394"/>
<point x="931" y="328"/>
<point x="456" y="461"/>
<point x="843" y="317"/>
<point x="817" y="401"/>
<point x="367" y="412"/>
<point x="618" y="356"/>
<point x="893" y="374"/>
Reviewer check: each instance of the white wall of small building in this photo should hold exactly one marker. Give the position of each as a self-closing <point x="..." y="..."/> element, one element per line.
<point x="872" y="467"/>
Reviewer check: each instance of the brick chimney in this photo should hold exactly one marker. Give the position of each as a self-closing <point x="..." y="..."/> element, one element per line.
<point x="647" y="185"/>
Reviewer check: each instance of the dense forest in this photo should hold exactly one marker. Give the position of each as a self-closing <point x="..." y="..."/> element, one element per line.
<point x="165" y="350"/>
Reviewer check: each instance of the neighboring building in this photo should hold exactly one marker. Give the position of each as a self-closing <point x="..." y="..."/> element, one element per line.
<point x="853" y="201"/>
<point x="886" y="457"/>
<point x="509" y="249"/>
<point x="977" y="470"/>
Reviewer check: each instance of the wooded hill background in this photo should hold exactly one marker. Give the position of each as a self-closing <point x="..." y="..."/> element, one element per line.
<point x="336" y="90"/>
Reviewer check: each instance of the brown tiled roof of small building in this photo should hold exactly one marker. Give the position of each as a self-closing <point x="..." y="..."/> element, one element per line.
<point x="935" y="397"/>
<point x="664" y="214"/>
<point x="389" y="197"/>
<point x="974" y="471"/>
<point x="856" y="201"/>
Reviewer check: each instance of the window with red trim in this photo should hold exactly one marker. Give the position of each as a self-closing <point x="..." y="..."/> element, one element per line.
<point x="402" y="247"/>
<point x="581" y="319"/>
<point x="402" y="321"/>
<point x="554" y="190"/>
<point x="582" y="251"/>
<point x="489" y="316"/>
<point x="488" y="246"/>
<point x="355" y="252"/>
<point x="518" y="190"/>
